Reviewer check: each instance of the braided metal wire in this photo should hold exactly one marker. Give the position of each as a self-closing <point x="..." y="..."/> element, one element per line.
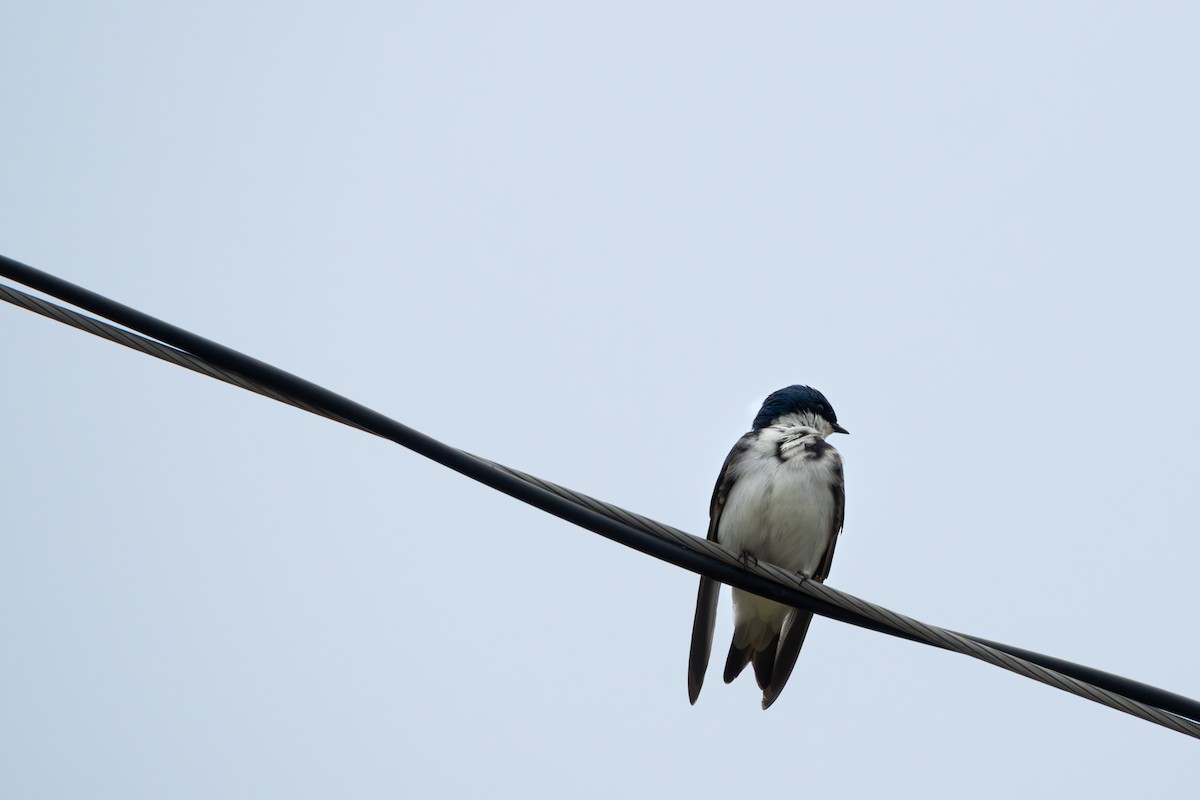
<point x="906" y="626"/>
<point x="920" y="631"/>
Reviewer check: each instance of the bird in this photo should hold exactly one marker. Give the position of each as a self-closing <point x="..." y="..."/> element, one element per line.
<point x="780" y="498"/>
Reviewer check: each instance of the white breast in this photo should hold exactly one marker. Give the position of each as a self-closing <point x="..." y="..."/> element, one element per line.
<point x="782" y="511"/>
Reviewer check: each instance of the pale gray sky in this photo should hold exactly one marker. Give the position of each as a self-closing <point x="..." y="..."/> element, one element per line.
<point x="586" y="241"/>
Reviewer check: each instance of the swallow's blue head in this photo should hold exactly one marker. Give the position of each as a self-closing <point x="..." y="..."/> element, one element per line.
<point x="801" y="401"/>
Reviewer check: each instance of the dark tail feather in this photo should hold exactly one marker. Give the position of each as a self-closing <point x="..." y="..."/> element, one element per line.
<point x="763" y="660"/>
<point x="794" y="631"/>
<point x="737" y="660"/>
<point x="702" y="635"/>
<point x="764" y="663"/>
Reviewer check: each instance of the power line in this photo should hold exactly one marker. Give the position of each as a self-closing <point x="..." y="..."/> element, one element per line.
<point x="670" y="544"/>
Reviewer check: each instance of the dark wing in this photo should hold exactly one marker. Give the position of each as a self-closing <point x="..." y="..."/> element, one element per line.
<point x="838" y="488"/>
<point x="795" y="628"/>
<point x="710" y="590"/>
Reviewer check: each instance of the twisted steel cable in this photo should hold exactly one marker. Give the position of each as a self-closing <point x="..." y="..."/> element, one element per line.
<point x="662" y="541"/>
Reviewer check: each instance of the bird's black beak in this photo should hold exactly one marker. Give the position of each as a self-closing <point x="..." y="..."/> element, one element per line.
<point x="839" y="429"/>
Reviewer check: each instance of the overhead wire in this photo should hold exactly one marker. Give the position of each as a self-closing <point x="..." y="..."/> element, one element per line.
<point x="167" y="342"/>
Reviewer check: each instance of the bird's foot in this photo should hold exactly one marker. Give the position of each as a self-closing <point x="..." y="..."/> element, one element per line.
<point x="748" y="559"/>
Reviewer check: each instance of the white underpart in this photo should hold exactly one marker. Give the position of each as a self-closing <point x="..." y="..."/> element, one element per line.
<point x="781" y="512"/>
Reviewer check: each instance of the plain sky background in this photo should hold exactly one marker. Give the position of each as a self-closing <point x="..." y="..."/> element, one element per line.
<point x="586" y="240"/>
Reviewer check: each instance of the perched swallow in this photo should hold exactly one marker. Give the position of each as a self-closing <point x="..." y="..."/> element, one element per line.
<point x="780" y="498"/>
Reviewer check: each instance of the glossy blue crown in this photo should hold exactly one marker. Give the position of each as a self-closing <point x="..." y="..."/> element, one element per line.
<point x="793" y="400"/>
